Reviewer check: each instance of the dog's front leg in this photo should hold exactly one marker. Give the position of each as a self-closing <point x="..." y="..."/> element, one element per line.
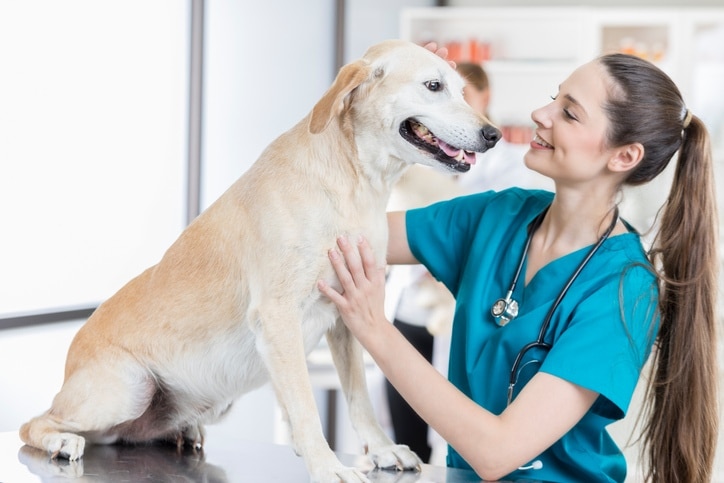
<point x="348" y="358"/>
<point x="280" y="341"/>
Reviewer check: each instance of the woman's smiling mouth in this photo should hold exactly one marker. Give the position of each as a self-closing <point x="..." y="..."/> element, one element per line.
<point x="540" y="143"/>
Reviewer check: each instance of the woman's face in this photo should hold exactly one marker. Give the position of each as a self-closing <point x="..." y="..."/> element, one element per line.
<point x="569" y="143"/>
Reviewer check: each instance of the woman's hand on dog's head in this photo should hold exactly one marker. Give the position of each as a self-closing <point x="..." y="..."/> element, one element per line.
<point x="441" y="52"/>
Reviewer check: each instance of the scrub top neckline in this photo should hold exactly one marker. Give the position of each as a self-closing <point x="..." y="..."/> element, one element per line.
<point x="610" y="244"/>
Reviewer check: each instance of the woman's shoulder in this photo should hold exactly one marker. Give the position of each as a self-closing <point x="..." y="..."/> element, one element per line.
<point x="626" y="262"/>
<point x="628" y="247"/>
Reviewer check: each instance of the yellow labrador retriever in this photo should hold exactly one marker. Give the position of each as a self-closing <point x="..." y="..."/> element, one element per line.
<point x="233" y="303"/>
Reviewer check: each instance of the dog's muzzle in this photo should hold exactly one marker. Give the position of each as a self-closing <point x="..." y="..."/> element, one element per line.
<point x="452" y="157"/>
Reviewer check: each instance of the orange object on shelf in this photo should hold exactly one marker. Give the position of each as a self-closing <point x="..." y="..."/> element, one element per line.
<point x="478" y="50"/>
<point x="517" y="134"/>
<point x="454" y="51"/>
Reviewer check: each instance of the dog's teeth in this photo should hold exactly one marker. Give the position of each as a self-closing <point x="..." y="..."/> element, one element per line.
<point x="422" y="132"/>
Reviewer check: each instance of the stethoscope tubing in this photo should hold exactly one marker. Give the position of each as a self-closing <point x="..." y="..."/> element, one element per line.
<point x="540" y="341"/>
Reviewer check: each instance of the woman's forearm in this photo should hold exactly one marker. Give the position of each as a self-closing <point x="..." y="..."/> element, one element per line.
<point x="475" y="433"/>
<point x="398" y="249"/>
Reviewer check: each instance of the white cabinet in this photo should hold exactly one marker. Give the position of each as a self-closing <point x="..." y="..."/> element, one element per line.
<point x="528" y="51"/>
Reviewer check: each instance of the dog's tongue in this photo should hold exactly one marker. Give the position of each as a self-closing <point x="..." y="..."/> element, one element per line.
<point x="453" y="152"/>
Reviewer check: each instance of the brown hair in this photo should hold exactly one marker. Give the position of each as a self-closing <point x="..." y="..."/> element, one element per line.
<point x="680" y="419"/>
<point x="474" y="75"/>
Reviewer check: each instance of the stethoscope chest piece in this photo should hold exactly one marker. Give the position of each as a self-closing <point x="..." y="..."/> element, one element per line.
<point x="504" y="310"/>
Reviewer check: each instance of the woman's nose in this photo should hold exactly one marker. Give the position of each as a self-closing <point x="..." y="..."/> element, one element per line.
<point x="541" y="116"/>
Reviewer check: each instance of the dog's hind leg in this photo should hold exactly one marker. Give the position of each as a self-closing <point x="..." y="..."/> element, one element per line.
<point x="280" y="342"/>
<point x="93" y="399"/>
<point x="347" y="356"/>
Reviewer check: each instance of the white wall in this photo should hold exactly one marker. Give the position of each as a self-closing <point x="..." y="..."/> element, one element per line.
<point x="266" y="64"/>
<point x="92" y="145"/>
<point x="370" y="21"/>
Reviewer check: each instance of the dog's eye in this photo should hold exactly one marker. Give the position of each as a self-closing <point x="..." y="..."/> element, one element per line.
<point x="433" y="85"/>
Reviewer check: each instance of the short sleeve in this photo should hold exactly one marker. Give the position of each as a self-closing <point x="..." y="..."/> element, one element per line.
<point x="608" y="339"/>
<point x="439" y="235"/>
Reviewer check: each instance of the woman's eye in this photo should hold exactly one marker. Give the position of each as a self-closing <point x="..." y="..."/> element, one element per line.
<point x="568" y="114"/>
<point x="433" y="85"/>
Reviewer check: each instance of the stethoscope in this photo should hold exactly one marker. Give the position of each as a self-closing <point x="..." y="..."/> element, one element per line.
<point x="506" y="309"/>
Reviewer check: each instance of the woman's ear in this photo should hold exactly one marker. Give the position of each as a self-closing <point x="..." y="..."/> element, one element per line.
<point x="626" y="157"/>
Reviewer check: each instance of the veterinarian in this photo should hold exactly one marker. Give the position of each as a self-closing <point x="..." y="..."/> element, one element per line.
<point x="558" y="303"/>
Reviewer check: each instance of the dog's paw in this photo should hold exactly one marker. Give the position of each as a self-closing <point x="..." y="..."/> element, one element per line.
<point x="195" y="436"/>
<point x="192" y="437"/>
<point x="339" y="474"/>
<point x="64" y="445"/>
<point x="396" y="456"/>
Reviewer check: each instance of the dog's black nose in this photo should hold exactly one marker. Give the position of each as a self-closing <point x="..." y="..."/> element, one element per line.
<point x="491" y="135"/>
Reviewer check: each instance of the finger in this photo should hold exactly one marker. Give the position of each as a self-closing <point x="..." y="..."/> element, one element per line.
<point x="442" y="53"/>
<point x="367" y="255"/>
<point x="352" y="257"/>
<point x="341" y="269"/>
<point x="431" y="46"/>
<point x="330" y="292"/>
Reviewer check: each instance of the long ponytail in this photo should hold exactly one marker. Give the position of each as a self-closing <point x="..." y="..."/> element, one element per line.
<point x="680" y="418"/>
<point x="681" y="429"/>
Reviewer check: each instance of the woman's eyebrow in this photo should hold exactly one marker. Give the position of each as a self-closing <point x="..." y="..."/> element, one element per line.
<point x="572" y="99"/>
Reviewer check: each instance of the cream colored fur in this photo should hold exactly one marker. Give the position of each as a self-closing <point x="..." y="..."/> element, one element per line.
<point x="233" y="303"/>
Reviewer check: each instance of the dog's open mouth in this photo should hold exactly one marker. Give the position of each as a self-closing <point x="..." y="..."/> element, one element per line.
<point x="419" y="135"/>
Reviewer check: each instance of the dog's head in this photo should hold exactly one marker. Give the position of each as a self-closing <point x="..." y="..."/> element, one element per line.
<point x="406" y="103"/>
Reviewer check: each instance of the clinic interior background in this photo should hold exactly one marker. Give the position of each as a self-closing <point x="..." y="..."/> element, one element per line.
<point x="121" y="120"/>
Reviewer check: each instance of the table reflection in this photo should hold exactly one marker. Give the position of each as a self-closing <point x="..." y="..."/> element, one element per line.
<point x="120" y="463"/>
<point x="258" y="462"/>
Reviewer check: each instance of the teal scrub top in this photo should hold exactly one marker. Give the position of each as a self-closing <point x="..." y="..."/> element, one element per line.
<point x="601" y="333"/>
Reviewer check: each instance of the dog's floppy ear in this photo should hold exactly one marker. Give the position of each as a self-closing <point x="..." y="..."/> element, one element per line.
<point x="332" y="102"/>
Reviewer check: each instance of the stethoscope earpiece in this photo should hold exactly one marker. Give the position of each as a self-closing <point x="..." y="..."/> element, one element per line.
<point x="534" y="465"/>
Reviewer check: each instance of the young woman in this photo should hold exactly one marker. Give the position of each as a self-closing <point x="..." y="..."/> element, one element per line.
<point x="558" y="303"/>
